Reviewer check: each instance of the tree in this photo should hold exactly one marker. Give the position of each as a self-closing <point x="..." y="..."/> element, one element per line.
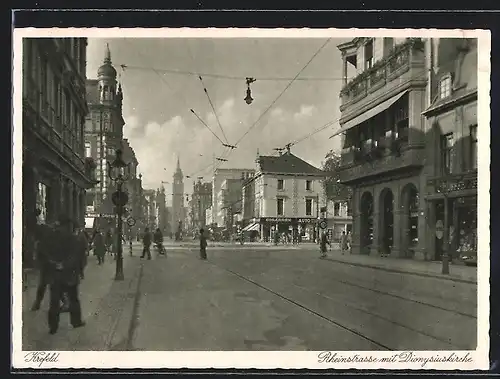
<point x="334" y="190"/>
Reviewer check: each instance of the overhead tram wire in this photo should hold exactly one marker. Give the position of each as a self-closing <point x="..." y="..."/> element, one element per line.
<point x="213" y="109"/>
<point x="227" y="77"/>
<point x="281" y="93"/>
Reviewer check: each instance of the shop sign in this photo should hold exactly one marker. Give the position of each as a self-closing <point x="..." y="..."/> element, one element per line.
<point x="323" y="224"/>
<point x="271" y="219"/>
<point x="101" y="215"/>
<point x="439" y="229"/>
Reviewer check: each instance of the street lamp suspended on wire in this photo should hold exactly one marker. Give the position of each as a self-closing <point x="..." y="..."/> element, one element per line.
<point x="248" y="99"/>
<point x="119" y="172"/>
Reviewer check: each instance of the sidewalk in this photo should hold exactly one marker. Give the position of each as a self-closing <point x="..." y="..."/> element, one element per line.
<point x="106" y="308"/>
<point x="458" y="272"/>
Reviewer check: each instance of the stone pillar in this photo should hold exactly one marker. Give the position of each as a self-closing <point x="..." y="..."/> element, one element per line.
<point x="344" y="69"/>
<point x="396" y="250"/>
<point x="378" y="220"/>
<point x="356" y="221"/>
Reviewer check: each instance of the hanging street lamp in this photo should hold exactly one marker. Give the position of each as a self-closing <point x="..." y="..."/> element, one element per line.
<point x="119" y="172"/>
<point x="248" y="99"/>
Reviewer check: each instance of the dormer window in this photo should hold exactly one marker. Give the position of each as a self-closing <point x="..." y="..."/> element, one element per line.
<point x="445" y="86"/>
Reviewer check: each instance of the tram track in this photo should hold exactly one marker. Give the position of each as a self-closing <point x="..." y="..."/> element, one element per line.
<point x="353" y="307"/>
<point x="303" y="307"/>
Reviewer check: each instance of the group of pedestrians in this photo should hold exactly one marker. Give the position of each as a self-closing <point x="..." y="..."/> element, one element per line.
<point x="61" y="256"/>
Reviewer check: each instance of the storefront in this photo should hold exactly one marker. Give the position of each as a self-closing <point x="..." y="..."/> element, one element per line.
<point x="453" y="209"/>
<point x="303" y="228"/>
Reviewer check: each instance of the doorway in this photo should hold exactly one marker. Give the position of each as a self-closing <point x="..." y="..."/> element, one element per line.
<point x="386" y="220"/>
<point x="366" y="230"/>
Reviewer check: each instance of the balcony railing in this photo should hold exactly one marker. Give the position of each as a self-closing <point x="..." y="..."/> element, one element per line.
<point x="383" y="71"/>
<point x="359" y="163"/>
<point x="454" y="183"/>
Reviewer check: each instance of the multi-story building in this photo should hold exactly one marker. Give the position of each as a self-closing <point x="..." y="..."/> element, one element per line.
<point x="56" y="174"/>
<point x="451" y="148"/>
<point x="287" y="195"/>
<point x="219" y="176"/>
<point x="151" y="215"/>
<point x="389" y="150"/>
<point x="383" y="142"/>
<point x="201" y="200"/>
<point x="339" y="218"/>
<point x="103" y="133"/>
<point x="230" y="201"/>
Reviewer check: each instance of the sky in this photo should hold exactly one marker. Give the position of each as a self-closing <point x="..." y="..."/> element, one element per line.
<point x="157" y="104"/>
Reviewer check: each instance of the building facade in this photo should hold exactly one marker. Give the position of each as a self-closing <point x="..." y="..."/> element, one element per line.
<point x="383" y="144"/>
<point x="104" y="134"/>
<point x="219" y="176"/>
<point x="451" y="149"/>
<point x="230" y="202"/>
<point x="287" y="195"/>
<point x="200" y="201"/>
<point x="339" y="218"/>
<point x="56" y="174"/>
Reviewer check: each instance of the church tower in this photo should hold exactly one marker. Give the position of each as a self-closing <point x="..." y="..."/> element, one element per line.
<point x="177" y="198"/>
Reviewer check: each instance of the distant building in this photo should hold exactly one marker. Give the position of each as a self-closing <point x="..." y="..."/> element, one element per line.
<point x="178" y="209"/>
<point x="200" y="201"/>
<point x="230" y="202"/>
<point x="339" y="218"/>
<point x="287" y="193"/>
<point x="220" y="175"/>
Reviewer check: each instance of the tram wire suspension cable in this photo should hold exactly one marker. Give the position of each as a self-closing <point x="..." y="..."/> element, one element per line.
<point x="213" y="108"/>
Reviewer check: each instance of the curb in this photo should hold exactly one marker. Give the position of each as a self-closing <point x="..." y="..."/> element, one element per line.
<point x="121" y="334"/>
<point x="400" y="271"/>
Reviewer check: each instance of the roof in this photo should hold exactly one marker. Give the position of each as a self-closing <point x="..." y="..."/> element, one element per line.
<point x="286" y="163"/>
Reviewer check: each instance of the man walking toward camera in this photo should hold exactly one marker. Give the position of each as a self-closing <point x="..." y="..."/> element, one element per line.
<point x="65" y="268"/>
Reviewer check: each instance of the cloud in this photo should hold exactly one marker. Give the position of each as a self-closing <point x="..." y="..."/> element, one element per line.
<point x="159" y="143"/>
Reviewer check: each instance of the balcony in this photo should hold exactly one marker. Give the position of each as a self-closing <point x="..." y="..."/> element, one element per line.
<point x="406" y="63"/>
<point x="388" y="156"/>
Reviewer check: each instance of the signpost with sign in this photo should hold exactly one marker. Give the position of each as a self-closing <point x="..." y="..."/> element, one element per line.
<point x="323" y="224"/>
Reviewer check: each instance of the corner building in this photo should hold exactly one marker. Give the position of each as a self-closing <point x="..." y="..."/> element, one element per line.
<point x="383" y="144"/>
<point x="103" y="134"/>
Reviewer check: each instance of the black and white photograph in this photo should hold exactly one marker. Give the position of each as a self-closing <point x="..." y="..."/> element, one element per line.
<point x="251" y="198"/>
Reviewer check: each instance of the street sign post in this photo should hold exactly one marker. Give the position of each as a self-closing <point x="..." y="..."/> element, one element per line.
<point x="323" y="224"/>
<point x="130" y="221"/>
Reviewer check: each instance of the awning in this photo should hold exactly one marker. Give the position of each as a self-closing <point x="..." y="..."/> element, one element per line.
<point x="250" y="228"/>
<point x="369" y="114"/>
<point x="89" y="222"/>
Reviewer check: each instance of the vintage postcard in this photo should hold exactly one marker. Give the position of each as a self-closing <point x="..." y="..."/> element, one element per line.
<point x="250" y="198"/>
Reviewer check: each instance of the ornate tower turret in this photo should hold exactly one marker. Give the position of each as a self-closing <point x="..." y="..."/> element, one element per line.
<point x="106" y="74"/>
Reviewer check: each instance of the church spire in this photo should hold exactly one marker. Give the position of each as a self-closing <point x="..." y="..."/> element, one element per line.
<point x="178" y="164"/>
<point x="107" y="55"/>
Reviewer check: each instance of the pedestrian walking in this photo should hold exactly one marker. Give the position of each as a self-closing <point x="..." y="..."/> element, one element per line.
<point x="146" y="244"/>
<point x="64" y="273"/>
<point x="158" y="240"/>
<point x="43" y="236"/>
<point x="323" y="242"/>
<point x="203" y="245"/>
<point x="109" y="242"/>
<point x="99" y="246"/>
<point x="349" y="242"/>
<point x="343" y="242"/>
<point x="83" y="247"/>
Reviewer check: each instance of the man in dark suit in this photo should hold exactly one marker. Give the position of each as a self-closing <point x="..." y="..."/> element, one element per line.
<point x="64" y="274"/>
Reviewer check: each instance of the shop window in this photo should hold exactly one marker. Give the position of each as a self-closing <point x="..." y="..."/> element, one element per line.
<point x="467" y="229"/>
<point x="281" y="184"/>
<point x="445" y="86"/>
<point x="280" y="205"/>
<point x="308" y="185"/>
<point x="88" y="149"/>
<point x="308" y="207"/>
<point x="336" y="209"/>
<point x="447" y="153"/>
<point x="369" y="55"/>
<point x="473" y="147"/>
